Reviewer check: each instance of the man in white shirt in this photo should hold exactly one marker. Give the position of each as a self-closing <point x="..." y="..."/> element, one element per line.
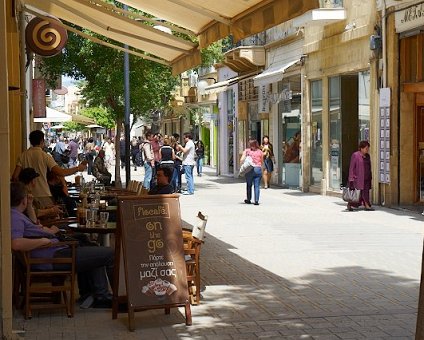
<point x="41" y="162"/>
<point x="188" y="162"/>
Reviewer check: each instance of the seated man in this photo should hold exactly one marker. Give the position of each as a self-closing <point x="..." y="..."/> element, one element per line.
<point x="34" y="211"/>
<point x="90" y="262"/>
<point x="100" y="170"/>
<point x="163" y="186"/>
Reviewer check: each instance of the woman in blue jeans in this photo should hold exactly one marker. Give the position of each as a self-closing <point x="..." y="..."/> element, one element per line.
<point x="253" y="176"/>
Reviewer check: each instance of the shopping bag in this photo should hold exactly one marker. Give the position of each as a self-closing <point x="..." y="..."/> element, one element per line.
<point x="246" y="166"/>
<point x="351" y="195"/>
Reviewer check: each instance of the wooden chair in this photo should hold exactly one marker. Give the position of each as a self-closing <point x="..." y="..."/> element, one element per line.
<point x="142" y="191"/>
<point x="193" y="241"/>
<point x="45" y="289"/>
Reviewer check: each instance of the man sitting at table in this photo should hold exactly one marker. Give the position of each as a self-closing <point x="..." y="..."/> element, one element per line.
<point x="90" y="262"/>
<point x="163" y="186"/>
<point x="35" y="157"/>
<point x="100" y="170"/>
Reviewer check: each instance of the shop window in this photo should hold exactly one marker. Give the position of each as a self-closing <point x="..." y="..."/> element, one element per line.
<point x="316" y="132"/>
<point x="412" y="60"/>
<point x="335" y="132"/>
<point x="289" y="112"/>
<point x="364" y="110"/>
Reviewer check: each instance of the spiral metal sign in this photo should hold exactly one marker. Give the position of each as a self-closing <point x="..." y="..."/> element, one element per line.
<point x="45" y="38"/>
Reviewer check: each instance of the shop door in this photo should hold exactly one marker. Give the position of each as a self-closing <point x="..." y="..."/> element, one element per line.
<point x="420" y="153"/>
<point x="344" y="123"/>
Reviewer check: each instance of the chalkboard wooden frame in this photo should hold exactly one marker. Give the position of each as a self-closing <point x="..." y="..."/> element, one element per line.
<point x="149" y="254"/>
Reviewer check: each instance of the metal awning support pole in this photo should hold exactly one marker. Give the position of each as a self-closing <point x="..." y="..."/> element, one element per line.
<point x="127" y="113"/>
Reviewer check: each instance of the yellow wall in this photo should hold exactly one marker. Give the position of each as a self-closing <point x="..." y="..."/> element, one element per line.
<point x="15" y="97"/>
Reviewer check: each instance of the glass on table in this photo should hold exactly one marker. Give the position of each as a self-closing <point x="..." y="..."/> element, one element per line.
<point x="104" y="218"/>
<point x="91" y="217"/>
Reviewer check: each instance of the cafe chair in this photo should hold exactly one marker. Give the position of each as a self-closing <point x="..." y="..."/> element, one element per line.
<point x="193" y="241"/>
<point x="45" y="289"/>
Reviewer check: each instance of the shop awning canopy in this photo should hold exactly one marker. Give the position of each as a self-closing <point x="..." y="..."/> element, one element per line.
<point x="222" y="86"/>
<point x="55" y="116"/>
<point x="209" y="20"/>
<point x="274" y="74"/>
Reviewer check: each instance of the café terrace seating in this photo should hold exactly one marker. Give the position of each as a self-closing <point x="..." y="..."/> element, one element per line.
<point x="44" y="289"/>
<point x="193" y="240"/>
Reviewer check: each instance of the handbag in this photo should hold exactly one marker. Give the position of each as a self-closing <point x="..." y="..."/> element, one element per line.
<point x="351" y="195"/>
<point x="246" y="166"/>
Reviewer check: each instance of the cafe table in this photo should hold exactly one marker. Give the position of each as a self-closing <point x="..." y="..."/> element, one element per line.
<point x="72" y="226"/>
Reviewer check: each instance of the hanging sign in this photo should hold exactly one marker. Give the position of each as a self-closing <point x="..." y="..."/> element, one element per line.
<point x="39" y="98"/>
<point x="45" y="38"/>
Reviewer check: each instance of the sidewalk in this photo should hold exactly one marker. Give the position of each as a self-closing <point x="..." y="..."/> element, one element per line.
<point x="298" y="266"/>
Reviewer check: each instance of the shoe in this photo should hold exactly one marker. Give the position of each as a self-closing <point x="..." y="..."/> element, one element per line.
<point x="369" y="209"/>
<point x="187" y="193"/>
<point x="135" y="169"/>
<point x="88" y="302"/>
<point x="247" y="202"/>
<point x="256" y="203"/>
<point x="102" y="302"/>
<point x="266" y="187"/>
<point x="200" y="175"/>
<point x="349" y="207"/>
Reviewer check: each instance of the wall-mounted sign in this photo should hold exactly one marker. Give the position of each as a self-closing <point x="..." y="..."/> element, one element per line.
<point x="409" y="18"/>
<point x="384" y="140"/>
<point x="45" y="38"/>
<point x="39" y="98"/>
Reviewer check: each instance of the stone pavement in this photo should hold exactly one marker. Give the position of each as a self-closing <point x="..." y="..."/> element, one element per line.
<point x="298" y="266"/>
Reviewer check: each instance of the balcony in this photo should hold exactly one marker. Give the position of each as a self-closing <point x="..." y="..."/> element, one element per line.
<point x="247" y="54"/>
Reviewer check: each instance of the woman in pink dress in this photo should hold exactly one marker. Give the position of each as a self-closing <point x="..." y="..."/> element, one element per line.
<point x="360" y="175"/>
<point x="253" y="176"/>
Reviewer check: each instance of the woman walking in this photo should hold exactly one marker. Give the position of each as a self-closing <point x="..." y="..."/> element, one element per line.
<point x="360" y="175"/>
<point x="268" y="155"/>
<point x="254" y="175"/>
<point x="200" y="153"/>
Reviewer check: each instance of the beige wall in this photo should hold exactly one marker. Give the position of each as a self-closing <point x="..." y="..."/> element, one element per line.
<point x="339" y="49"/>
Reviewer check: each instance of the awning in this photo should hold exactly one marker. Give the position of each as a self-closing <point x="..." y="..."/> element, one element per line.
<point x="210" y="20"/>
<point x="81" y="119"/>
<point x="222" y="86"/>
<point x="102" y="19"/>
<point x="53" y="116"/>
<point x="274" y="74"/>
<point x="94" y="126"/>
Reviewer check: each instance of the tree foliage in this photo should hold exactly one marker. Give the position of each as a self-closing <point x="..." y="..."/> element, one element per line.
<point x="101" y="68"/>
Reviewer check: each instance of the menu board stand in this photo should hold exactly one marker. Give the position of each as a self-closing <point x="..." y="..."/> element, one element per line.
<point x="149" y="254"/>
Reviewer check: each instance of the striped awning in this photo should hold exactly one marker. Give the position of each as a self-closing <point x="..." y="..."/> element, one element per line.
<point x="160" y="39"/>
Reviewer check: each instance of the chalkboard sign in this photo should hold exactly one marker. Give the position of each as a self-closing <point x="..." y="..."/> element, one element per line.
<point x="153" y="253"/>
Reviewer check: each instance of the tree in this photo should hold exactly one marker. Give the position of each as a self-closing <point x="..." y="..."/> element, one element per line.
<point x="101" y="70"/>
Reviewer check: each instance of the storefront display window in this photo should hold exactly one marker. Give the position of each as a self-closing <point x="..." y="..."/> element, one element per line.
<point x="364" y="105"/>
<point x="316" y="132"/>
<point x="290" y="129"/>
<point x="335" y="133"/>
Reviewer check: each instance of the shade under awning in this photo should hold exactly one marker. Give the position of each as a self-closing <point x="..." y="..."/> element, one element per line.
<point x="274" y="74"/>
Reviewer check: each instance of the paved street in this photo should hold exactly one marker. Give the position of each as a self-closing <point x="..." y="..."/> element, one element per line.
<point x="298" y="266"/>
